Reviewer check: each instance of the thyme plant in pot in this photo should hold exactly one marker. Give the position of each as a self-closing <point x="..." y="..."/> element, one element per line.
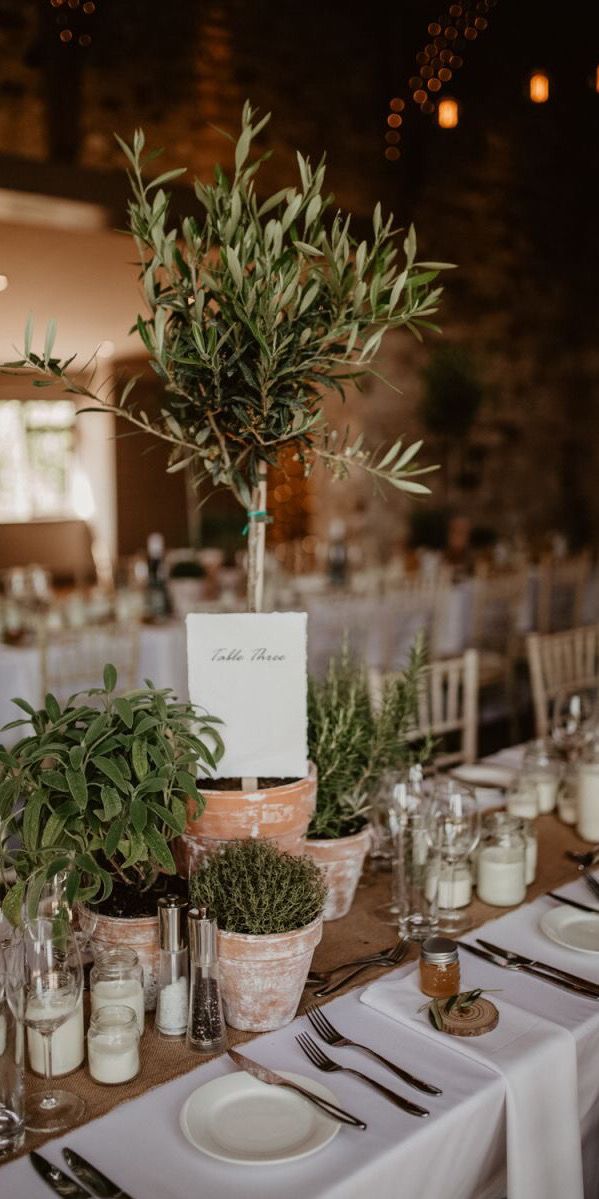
<point x="104" y="781"/>
<point x="268" y="906"/>
<point x="353" y="742"/>
<point x="257" y="309"/>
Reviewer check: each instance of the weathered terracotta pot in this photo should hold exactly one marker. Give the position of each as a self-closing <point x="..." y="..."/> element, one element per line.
<point x="280" y="814"/>
<point x="341" y="861"/>
<point x="262" y="978"/>
<point x="135" y="932"/>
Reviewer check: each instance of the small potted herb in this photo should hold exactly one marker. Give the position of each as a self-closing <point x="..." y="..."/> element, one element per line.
<point x="106" y="780"/>
<point x="268" y="906"/>
<point x="353" y="743"/>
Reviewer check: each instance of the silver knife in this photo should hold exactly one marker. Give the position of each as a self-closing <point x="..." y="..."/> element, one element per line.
<point x="573" y="903"/>
<point x="85" y="1172"/>
<point x="60" y="1182"/>
<point x="277" y="1080"/>
<point x="495" y="960"/>
<point x="511" y="955"/>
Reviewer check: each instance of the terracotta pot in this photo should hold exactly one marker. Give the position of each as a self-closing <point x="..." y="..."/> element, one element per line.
<point x="280" y="814"/>
<point x="262" y="977"/>
<point x="136" y="932"/>
<point x="341" y="861"/>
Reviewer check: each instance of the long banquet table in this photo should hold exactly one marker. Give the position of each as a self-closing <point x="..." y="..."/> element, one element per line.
<point x="459" y="1153"/>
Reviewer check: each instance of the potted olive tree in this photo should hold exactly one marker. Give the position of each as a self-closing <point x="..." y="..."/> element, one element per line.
<point x="353" y="743"/>
<point x="257" y="309"/>
<point x="268" y="906"/>
<point x="105" y="783"/>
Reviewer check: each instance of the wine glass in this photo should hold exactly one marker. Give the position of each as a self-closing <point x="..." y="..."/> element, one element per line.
<point x="52" y="980"/>
<point x="460" y="822"/>
<point x="571" y="722"/>
<point x="46" y="895"/>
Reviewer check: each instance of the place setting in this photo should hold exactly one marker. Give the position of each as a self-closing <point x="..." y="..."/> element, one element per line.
<point x="299" y="603"/>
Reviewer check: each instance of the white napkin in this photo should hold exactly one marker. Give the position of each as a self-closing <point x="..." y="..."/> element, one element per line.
<point x="537" y="1060"/>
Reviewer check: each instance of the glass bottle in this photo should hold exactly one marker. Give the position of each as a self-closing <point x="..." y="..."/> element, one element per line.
<point x="113" y="1044"/>
<point x="173" y="975"/>
<point x="439" y="968"/>
<point x="501" y="868"/>
<point x="542" y="767"/>
<point x="117" y="978"/>
<point x="206" y="1031"/>
<point x="158" y="605"/>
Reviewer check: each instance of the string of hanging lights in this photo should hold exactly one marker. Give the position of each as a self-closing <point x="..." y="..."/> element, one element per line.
<point x="437" y="63"/>
<point x="72" y="21"/>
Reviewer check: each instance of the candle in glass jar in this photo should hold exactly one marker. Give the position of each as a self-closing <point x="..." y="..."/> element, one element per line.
<point x="67" y="1040"/>
<point x="127" y="991"/>
<point x="454" y="892"/>
<point x="588" y="801"/>
<point x="546" y="787"/>
<point x="524" y="803"/>
<point x="113" y="1045"/>
<point x="531" y="858"/>
<point x="501" y="875"/>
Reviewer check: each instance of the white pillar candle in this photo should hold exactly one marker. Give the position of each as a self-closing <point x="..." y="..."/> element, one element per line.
<point x="456" y="892"/>
<point x="127" y="991"/>
<point x="67" y="1040"/>
<point x="113" y="1059"/>
<point x="588" y="801"/>
<point x="567" y="808"/>
<point x="501" y="876"/>
<point x="546" y="788"/>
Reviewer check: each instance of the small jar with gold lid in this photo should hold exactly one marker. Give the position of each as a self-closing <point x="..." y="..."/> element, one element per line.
<point x="439" y="968"/>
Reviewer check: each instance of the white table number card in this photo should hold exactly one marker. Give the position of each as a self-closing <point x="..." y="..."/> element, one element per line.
<point x="251" y="670"/>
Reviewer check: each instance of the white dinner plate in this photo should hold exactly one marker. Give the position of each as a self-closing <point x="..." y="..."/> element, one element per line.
<point x="574" y="929"/>
<point x="237" y="1118"/>
<point x="479" y="775"/>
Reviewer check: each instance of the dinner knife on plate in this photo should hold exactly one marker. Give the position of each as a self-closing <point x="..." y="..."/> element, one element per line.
<point x="573" y="903"/>
<point x="277" y="1080"/>
<point x="101" y="1186"/>
<point x="60" y="1182"/>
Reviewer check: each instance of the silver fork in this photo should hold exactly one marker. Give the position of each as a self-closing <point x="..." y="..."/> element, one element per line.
<point x="322" y="1025"/>
<point x="592" y="884"/>
<point x="319" y="1059"/>
<point x="323" y="976"/>
<point x="389" y="959"/>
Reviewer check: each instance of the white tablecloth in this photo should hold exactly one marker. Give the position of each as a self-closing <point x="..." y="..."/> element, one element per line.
<point x="459" y="1153"/>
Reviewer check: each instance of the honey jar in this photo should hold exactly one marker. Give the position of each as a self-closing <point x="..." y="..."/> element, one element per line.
<point x="439" y="968"/>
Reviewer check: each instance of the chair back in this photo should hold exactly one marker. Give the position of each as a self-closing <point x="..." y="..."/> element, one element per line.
<point x="498" y="603"/>
<point x="561" y="663"/>
<point x="447" y="704"/>
<point x="410" y="610"/>
<point x="561" y="593"/>
<point x="73" y="660"/>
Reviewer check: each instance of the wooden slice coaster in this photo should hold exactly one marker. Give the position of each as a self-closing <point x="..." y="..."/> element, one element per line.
<point x="481" y="1016"/>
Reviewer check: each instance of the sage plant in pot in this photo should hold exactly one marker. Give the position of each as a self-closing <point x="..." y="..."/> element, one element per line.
<point x="257" y="308"/>
<point x="353" y="742"/>
<point x="99" y="789"/>
<point x="268" y="907"/>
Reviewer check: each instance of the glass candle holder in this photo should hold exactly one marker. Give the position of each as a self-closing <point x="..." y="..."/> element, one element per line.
<point x="501" y="872"/>
<point x="116" y="978"/>
<point x="113" y="1044"/>
<point x="542" y="767"/>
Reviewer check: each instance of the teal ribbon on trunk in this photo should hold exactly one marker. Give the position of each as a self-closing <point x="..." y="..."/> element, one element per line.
<point x="260" y="514"/>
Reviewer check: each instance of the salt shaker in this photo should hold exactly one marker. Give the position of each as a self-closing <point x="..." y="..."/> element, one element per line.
<point x="206" y="1022"/>
<point x="173" y="985"/>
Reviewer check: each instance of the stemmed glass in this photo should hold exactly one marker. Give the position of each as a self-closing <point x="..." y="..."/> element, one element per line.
<point x="52" y="980"/>
<point x="460" y="822"/>
<point x="572" y="722"/>
<point x="47" y="896"/>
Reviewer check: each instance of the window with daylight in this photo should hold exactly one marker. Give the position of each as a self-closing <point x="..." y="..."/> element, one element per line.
<point x="37" y="459"/>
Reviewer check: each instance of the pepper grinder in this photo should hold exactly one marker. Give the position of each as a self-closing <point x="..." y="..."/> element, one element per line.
<point x="206" y="1023"/>
<point x="173" y="985"/>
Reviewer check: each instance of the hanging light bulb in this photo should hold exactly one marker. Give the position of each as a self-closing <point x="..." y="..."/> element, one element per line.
<point x="538" y="86"/>
<point x="448" y="113"/>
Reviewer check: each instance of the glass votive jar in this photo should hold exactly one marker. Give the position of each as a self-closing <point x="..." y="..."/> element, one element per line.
<point x="532" y="850"/>
<point x="588" y="794"/>
<point x="113" y="1044"/>
<point x="522" y="799"/>
<point x="439" y="968"/>
<point x="542" y="767"/>
<point x="501" y="870"/>
<point x="117" y="978"/>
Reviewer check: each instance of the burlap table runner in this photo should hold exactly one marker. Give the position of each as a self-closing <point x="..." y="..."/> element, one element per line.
<point x="361" y="930"/>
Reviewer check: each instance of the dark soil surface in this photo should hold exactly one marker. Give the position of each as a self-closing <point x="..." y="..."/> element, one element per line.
<point x="132" y="901"/>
